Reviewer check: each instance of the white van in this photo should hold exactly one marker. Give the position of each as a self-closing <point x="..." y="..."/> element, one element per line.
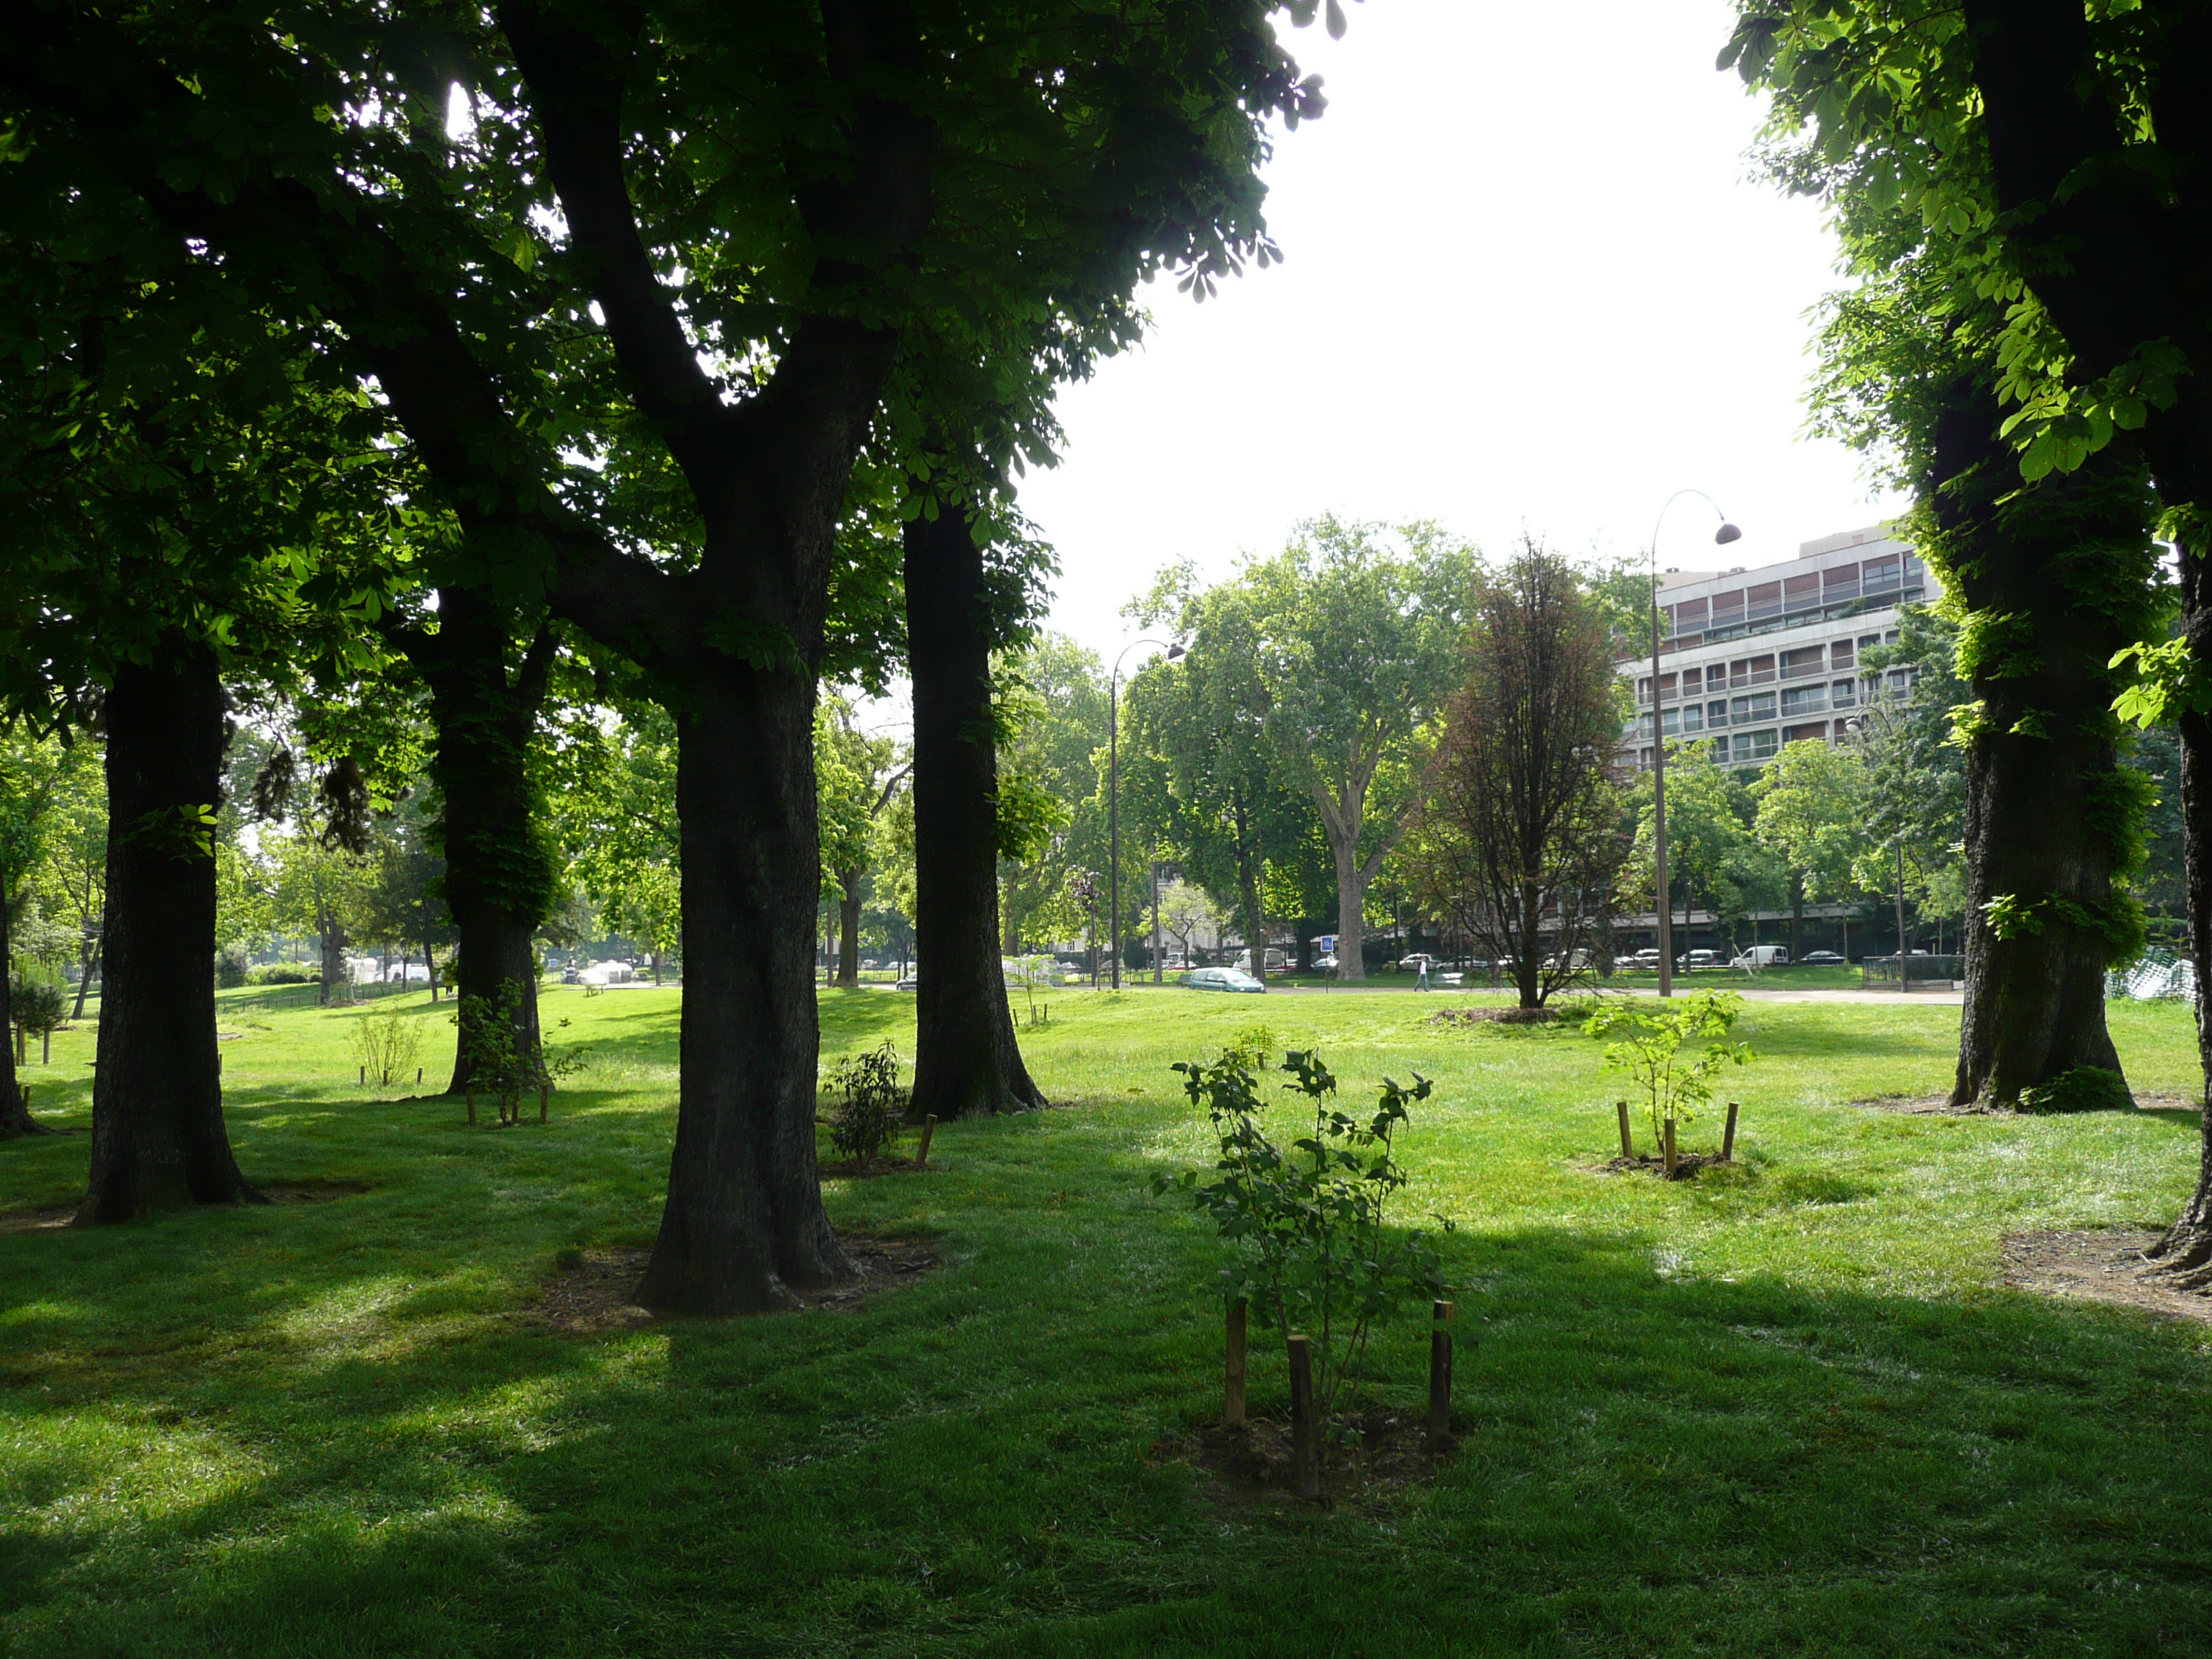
<point x="1276" y="961"/>
<point x="1762" y="955"/>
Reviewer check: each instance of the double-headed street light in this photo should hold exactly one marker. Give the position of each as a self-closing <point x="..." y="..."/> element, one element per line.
<point x="1114" y="802"/>
<point x="1727" y="533"/>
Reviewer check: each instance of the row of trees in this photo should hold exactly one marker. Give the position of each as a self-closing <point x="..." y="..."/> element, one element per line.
<point x="489" y="368"/>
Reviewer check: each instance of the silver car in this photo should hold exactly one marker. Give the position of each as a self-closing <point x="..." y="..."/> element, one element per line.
<point x="1222" y="979"/>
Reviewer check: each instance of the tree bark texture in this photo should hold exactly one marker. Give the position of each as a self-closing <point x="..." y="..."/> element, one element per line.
<point x="158" y="1139"/>
<point x="499" y="880"/>
<point x="744" y="1227"/>
<point x="967" y="1059"/>
<point x="2122" y="255"/>
<point x="16" y="1119"/>
<point x="2056" y="579"/>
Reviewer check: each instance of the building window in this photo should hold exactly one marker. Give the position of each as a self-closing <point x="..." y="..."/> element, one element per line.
<point x="1800" y="700"/>
<point x="1748" y="711"/>
<point x="1843" y="692"/>
<point x="1716" y="714"/>
<point x="1691" y="685"/>
<point x="1806" y="662"/>
<point x="1694" y="718"/>
<point x="1840" y="655"/>
<point x="1756" y="745"/>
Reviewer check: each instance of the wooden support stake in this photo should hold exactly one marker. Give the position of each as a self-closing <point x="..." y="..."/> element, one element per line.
<point x="1627" y="1146"/>
<point x="1440" y="1369"/>
<point x="472" y="1106"/>
<point x="921" y="1153"/>
<point x="1670" y="1146"/>
<point x="364" y="1076"/>
<point x="1232" y="1372"/>
<point x="545" y="1101"/>
<point x="418" y="1077"/>
<point x="1305" y="1421"/>
<point x="1728" y="1137"/>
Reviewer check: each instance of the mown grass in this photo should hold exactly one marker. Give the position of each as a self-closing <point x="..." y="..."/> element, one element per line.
<point x="1790" y="1408"/>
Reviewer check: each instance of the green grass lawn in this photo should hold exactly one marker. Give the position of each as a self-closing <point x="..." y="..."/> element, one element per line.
<point x="1787" y="1409"/>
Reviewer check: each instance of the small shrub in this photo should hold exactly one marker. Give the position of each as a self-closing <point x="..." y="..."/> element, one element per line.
<point x="505" y="1069"/>
<point x="1310" y="1224"/>
<point x="1253" y="1049"/>
<point x="230" y="967"/>
<point x="387" y="1041"/>
<point x="874" y="1107"/>
<point x="1651" y="1051"/>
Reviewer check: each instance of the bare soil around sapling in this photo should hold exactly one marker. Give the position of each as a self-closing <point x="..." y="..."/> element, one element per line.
<point x="1686" y="1165"/>
<point x="2103" y="1265"/>
<point x="1244" y="1470"/>
<point x="596" y="1291"/>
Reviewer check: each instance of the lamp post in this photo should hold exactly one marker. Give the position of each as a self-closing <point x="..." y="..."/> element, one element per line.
<point x="1113" y="806"/>
<point x="1664" y="909"/>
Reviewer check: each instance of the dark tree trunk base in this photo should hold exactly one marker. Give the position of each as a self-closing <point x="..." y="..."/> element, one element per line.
<point x="743" y="1226"/>
<point x="158" y="1139"/>
<point x="2048" y="812"/>
<point x="968" y="1061"/>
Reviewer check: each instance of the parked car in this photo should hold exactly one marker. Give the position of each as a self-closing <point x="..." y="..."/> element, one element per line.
<point x="1222" y="979"/>
<point x="1647" y="958"/>
<point x="1697" y="959"/>
<point x="1327" y="964"/>
<point x="1576" y="961"/>
<point x="1823" y="959"/>
<point x="1419" y="960"/>
<point x="1275" y="959"/>
<point x="911" y="982"/>
<point x="1762" y="955"/>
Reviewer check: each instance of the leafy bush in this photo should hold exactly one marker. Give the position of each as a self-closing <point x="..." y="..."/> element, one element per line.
<point x="2084" y="1088"/>
<point x="282" y="972"/>
<point x="1651" y="1051"/>
<point x="230" y="967"/>
<point x="1311" y="1226"/>
<point x="874" y="1107"/>
<point x="503" y="1068"/>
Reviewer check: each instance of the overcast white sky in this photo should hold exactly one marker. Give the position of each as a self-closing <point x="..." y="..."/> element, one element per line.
<point x="1529" y="284"/>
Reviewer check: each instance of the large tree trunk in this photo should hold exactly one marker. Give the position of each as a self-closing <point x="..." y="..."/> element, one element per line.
<point x="158" y="1139"/>
<point x="966" y="1057"/>
<point x="499" y="878"/>
<point x="16" y="1119"/>
<point x="2186" y="1251"/>
<point x="1351" y="909"/>
<point x="2062" y="571"/>
<point x="848" y="930"/>
<point x="743" y="1226"/>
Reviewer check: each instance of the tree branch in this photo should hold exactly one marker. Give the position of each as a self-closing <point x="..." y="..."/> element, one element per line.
<point x="576" y="75"/>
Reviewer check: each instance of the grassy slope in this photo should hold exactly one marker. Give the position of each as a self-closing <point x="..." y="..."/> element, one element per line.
<point x="1785" y="1410"/>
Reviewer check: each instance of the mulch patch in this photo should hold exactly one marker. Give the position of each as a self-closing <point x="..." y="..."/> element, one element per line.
<point x="1248" y="1469"/>
<point x="1686" y="1165"/>
<point x="1941" y="1106"/>
<point x="1490" y="1014"/>
<point x="2105" y="1265"/>
<point x="595" y="1296"/>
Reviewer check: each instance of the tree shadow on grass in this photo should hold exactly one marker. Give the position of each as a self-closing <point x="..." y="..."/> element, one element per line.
<point x="314" y="1429"/>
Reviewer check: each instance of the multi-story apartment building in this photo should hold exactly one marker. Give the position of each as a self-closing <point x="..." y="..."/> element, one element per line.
<point x="1751" y="660"/>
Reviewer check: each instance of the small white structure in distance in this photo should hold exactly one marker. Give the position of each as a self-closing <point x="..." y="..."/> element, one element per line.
<point x="607" y="973"/>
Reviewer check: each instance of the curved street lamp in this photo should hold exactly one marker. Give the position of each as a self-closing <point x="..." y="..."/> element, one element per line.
<point x="1114" y="802"/>
<point x="1727" y="533"/>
